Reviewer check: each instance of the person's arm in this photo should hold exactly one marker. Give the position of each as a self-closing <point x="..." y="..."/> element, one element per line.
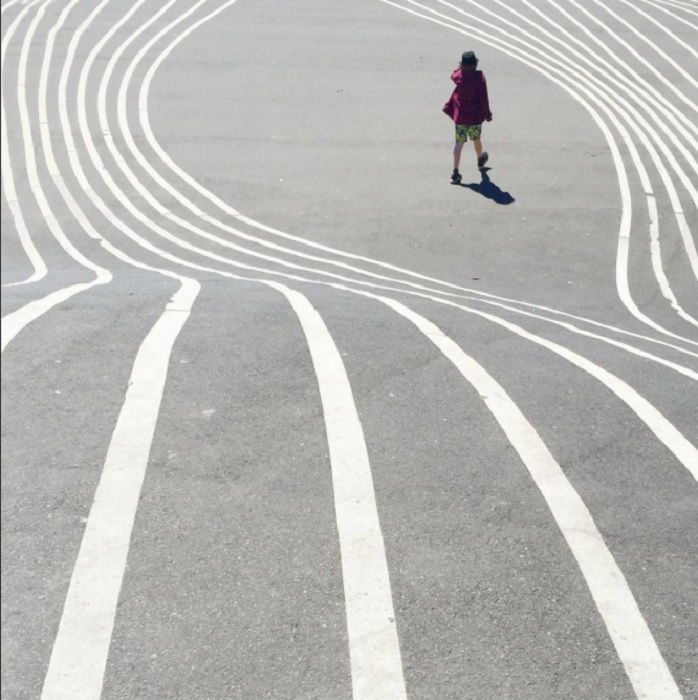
<point x="484" y="100"/>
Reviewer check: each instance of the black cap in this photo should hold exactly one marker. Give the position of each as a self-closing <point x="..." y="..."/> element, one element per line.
<point x="469" y="58"/>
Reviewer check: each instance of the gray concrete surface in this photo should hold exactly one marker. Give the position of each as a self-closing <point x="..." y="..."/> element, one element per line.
<point x="321" y="118"/>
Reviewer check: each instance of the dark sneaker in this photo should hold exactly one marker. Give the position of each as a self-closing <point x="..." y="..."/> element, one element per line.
<point x="456" y="177"/>
<point x="482" y="160"/>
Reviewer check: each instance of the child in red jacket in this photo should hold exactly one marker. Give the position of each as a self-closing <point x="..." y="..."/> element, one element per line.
<point x="468" y="107"/>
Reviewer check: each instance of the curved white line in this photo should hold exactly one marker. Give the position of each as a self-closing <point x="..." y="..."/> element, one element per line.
<point x="79" y="654"/>
<point x="8" y="5"/>
<point x="545" y="68"/>
<point x="123" y="123"/>
<point x="626" y="114"/>
<point x="671" y="14"/>
<point x="78" y="660"/>
<point x="639" y="80"/>
<point x="147" y="130"/>
<point x="663" y="429"/>
<point x="685" y="74"/>
<point x="13" y="323"/>
<point x="376" y="666"/>
<point x="621" y="613"/>
<point x="7" y="172"/>
<point x="637" y="88"/>
<point x="677" y="4"/>
<point x="666" y="30"/>
<point x="624" y="229"/>
<point x="632" y="638"/>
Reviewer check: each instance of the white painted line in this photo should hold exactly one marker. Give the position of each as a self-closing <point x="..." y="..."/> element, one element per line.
<point x="630" y="115"/>
<point x="640" y="35"/>
<point x="656" y="255"/>
<point x="545" y="69"/>
<point x="7" y="172"/>
<point x="185" y="177"/>
<point x="665" y="29"/>
<point x="13" y="323"/>
<point x="79" y="656"/>
<point x="632" y="638"/>
<point x="684" y="451"/>
<point x="648" y="64"/>
<point x="143" y="115"/>
<point x="653" y="419"/>
<point x="677" y="5"/>
<point x="376" y="666"/>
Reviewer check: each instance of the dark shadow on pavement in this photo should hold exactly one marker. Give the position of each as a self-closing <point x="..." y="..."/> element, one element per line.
<point x="488" y="189"/>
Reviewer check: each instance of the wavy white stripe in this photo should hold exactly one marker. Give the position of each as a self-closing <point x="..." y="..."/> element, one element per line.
<point x="626" y="113"/>
<point x="7" y="172"/>
<point x="646" y="668"/>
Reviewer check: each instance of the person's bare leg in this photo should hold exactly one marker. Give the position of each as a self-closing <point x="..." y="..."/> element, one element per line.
<point x="478" y="147"/>
<point x="456" y="155"/>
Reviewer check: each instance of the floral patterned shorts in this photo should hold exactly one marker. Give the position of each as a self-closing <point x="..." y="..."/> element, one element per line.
<point x="465" y="131"/>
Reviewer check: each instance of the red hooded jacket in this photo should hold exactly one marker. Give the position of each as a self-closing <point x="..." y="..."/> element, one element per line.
<point x="468" y="104"/>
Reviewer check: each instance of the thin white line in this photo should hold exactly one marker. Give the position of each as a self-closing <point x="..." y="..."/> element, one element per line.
<point x="657" y="261"/>
<point x="147" y="130"/>
<point x="7" y="173"/>
<point x="639" y="90"/>
<point x="684" y="230"/>
<point x="640" y="58"/>
<point x="662" y="428"/>
<point x="685" y="371"/>
<point x="684" y="451"/>
<point x="671" y="14"/>
<point x="78" y="659"/>
<point x="626" y="115"/>
<point x="13" y="323"/>
<point x="685" y="7"/>
<point x="8" y="5"/>
<point x="632" y="638"/>
<point x="376" y="666"/>
<point x="626" y="209"/>
<point x="123" y="124"/>
<point x="666" y="30"/>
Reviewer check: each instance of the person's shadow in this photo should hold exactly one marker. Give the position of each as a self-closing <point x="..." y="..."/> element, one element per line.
<point x="488" y="189"/>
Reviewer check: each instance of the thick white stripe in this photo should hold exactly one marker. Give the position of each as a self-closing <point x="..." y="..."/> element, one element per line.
<point x="8" y="5"/>
<point x="79" y="655"/>
<point x="376" y="667"/>
<point x="636" y="647"/>
<point x="14" y="322"/>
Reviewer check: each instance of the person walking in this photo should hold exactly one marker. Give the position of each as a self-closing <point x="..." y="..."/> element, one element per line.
<point x="468" y="106"/>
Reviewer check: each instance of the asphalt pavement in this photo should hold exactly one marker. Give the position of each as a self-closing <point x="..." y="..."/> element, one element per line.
<point x="286" y="414"/>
